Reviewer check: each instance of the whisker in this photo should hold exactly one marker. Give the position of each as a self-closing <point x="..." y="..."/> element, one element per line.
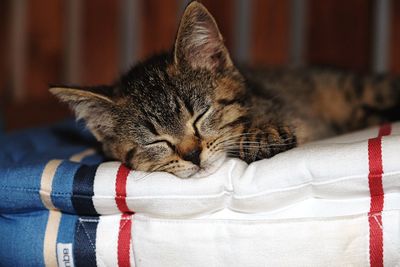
<point x="237" y="139"/>
<point x="251" y="133"/>
<point x="236" y="135"/>
<point x="152" y="170"/>
<point x="239" y="154"/>
<point x="259" y="145"/>
<point x="254" y="149"/>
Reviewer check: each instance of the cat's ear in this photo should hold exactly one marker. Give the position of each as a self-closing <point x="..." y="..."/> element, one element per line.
<point x="199" y="44"/>
<point x="92" y="104"/>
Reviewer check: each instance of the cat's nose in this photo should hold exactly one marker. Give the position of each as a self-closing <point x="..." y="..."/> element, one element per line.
<point x="193" y="156"/>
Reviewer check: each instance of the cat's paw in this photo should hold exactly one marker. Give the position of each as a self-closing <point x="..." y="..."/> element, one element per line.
<point x="260" y="143"/>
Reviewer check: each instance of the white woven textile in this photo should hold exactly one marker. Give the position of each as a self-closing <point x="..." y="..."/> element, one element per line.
<point x="310" y="206"/>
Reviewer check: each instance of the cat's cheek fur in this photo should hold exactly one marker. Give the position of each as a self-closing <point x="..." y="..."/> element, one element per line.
<point x="150" y="159"/>
<point x="141" y="162"/>
<point x="160" y="159"/>
<point x="114" y="149"/>
<point x="172" y="164"/>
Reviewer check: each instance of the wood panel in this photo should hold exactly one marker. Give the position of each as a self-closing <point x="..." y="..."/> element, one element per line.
<point x="270" y="32"/>
<point x="100" y="41"/>
<point x="340" y="33"/>
<point x="4" y="48"/>
<point x="159" y="24"/>
<point x="44" y="56"/>
<point x="33" y="113"/>
<point x="395" y="38"/>
<point x="44" y="47"/>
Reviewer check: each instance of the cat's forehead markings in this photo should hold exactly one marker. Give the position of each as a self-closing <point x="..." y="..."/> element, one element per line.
<point x="189" y="126"/>
<point x="189" y="129"/>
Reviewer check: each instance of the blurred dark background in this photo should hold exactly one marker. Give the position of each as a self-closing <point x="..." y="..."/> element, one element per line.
<point x="92" y="41"/>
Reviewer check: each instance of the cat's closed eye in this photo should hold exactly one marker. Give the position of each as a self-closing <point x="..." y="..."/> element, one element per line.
<point x="161" y="142"/>
<point x="197" y="120"/>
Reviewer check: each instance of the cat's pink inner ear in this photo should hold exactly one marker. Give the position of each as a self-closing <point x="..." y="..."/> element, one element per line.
<point x="199" y="43"/>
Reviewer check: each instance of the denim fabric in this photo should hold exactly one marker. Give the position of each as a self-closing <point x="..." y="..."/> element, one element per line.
<point x="62" y="187"/>
<point x="22" y="238"/>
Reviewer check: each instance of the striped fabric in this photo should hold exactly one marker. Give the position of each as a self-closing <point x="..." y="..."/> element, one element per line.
<point x="336" y="201"/>
<point x="63" y="180"/>
<point x="377" y="196"/>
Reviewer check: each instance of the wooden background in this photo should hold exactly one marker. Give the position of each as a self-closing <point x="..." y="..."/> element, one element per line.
<point x="338" y="33"/>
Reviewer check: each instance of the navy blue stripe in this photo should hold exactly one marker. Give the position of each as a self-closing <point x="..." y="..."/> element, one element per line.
<point x="83" y="190"/>
<point x="85" y="241"/>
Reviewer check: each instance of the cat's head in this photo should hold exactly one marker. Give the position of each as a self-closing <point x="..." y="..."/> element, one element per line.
<point x="177" y="112"/>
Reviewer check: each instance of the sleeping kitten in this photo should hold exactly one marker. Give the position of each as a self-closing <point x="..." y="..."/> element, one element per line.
<point x="184" y="112"/>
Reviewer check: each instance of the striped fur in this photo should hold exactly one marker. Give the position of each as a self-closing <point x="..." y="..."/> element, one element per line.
<point x="183" y="112"/>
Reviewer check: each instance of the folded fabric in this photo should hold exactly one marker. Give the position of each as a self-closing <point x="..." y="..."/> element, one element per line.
<point x="335" y="202"/>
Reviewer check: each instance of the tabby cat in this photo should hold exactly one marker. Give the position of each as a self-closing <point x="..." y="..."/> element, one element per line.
<point x="185" y="111"/>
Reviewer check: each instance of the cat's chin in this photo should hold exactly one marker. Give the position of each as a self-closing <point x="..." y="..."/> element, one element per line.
<point x="209" y="169"/>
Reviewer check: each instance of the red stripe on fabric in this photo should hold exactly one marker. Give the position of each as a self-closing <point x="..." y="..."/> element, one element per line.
<point x="124" y="240"/>
<point x="377" y="196"/>
<point x="120" y="188"/>
<point x="376" y="240"/>
<point x="385" y="129"/>
<point x="375" y="168"/>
